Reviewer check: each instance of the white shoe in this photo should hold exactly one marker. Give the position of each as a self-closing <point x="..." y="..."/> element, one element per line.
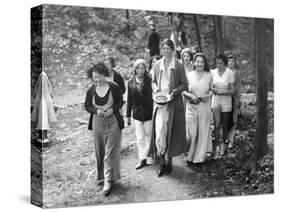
<point x="230" y="145"/>
<point x="208" y="154"/>
<point x="149" y="160"/>
<point x="46" y="140"/>
<point x="222" y="150"/>
<point x="106" y="188"/>
<point x="217" y="153"/>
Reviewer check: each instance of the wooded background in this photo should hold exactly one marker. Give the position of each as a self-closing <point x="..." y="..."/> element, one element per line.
<point x="74" y="37"/>
<point x="66" y="40"/>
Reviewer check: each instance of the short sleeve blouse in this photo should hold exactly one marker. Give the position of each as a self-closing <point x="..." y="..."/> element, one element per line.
<point x="223" y="81"/>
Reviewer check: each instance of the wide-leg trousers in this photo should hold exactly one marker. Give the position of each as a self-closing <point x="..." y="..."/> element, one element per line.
<point x="143" y="132"/>
<point x="107" y="142"/>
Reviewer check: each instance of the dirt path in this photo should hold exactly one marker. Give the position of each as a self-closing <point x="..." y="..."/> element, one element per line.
<point x="69" y="169"/>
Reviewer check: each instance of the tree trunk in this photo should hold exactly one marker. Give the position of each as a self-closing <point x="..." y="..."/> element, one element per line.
<point x="128" y="18"/>
<point x="226" y="27"/>
<point x="262" y="119"/>
<point x="219" y="34"/>
<point x="215" y="36"/>
<point x="197" y="32"/>
<point x="253" y="47"/>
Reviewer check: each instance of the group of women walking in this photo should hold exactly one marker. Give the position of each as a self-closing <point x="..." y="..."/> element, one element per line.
<point x="181" y="124"/>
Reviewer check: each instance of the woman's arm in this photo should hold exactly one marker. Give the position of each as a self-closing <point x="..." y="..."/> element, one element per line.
<point x="118" y="98"/>
<point x="228" y="91"/>
<point x="191" y="98"/>
<point x="89" y="102"/>
<point x="129" y="101"/>
<point x="210" y="92"/>
<point x="121" y="83"/>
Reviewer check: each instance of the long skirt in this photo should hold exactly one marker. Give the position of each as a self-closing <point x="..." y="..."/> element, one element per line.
<point x="107" y="141"/>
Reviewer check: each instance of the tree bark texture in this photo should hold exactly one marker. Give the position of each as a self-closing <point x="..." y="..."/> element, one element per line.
<point x="197" y="32"/>
<point x="219" y="34"/>
<point x="262" y="119"/>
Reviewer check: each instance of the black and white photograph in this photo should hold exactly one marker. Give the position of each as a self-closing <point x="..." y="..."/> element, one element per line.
<point x="141" y="107"/>
<point x="134" y="106"/>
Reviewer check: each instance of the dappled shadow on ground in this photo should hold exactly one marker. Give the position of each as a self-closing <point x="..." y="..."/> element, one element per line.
<point x="69" y="170"/>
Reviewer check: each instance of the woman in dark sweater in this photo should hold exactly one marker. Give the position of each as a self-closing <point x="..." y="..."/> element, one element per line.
<point x="114" y="76"/>
<point x="153" y="42"/>
<point x="139" y="100"/>
<point x="103" y="101"/>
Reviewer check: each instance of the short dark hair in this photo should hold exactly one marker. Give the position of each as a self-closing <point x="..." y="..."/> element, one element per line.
<point x="206" y="65"/>
<point x="111" y="60"/>
<point x="98" y="67"/>
<point x="168" y="42"/>
<point x="189" y="52"/>
<point x="235" y="61"/>
<point x="222" y="57"/>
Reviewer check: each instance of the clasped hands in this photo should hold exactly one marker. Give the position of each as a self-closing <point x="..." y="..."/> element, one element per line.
<point x="104" y="113"/>
<point x="196" y="100"/>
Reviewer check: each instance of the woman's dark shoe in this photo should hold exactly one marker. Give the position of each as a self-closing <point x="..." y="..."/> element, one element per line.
<point x="161" y="170"/>
<point x="100" y="182"/>
<point x="141" y="164"/>
<point x="168" y="169"/>
<point x="188" y="163"/>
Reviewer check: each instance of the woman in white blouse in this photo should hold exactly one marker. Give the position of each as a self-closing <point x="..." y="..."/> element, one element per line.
<point x="223" y="85"/>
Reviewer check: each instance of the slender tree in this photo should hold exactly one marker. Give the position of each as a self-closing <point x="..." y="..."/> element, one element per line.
<point x="218" y="33"/>
<point x="215" y="36"/>
<point x="197" y="32"/>
<point x="262" y="119"/>
<point x="253" y="46"/>
<point x="128" y="18"/>
<point x="226" y="27"/>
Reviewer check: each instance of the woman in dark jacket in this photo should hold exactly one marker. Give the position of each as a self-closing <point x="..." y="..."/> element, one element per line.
<point x="139" y="100"/>
<point x="114" y="76"/>
<point x="103" y="102"/>
<point x="153" y="42"/>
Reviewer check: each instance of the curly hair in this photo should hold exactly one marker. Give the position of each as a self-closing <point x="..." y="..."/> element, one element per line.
<point x="222" y="57"/>
<point x="99" y="68"/>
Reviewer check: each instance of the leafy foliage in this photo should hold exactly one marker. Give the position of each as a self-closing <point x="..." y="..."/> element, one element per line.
<point x="232" y="174"/>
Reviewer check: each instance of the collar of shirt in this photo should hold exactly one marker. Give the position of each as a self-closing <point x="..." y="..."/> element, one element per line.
<point x="171" y="66"/>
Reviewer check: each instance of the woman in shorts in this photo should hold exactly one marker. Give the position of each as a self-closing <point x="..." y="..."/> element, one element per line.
<point x="223" y="85"/>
